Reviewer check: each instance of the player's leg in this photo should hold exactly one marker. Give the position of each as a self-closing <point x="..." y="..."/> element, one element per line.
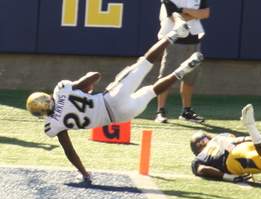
<point x="138" y="101"/>
<point x="248" y="120"/>
<point x="119" y="92"/>
<point x="135" y="104"/>
<point x="130" y="78"/>
<point x="186" y="67"/>
<point x="243" y="159"/>
<point x="171" y="59"/>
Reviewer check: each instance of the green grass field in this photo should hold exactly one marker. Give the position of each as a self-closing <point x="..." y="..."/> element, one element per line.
<point x="22" y="142"/>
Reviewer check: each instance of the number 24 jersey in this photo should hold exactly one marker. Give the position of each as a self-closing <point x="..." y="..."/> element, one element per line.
<point x="75" y="109"/>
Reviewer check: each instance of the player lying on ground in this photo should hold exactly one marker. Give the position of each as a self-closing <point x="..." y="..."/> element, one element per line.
<point x="226" y="157"/>
<point x="72" y="107"/>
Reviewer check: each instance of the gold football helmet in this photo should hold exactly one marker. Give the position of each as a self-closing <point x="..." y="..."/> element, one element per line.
<point x="39" y="104"/>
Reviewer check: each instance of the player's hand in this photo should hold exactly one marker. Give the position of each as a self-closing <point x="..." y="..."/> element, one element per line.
<point x="87" y="179"/>
<point x="171" y="7"/>
<point x="247" y="116"/>
<point x="236" y="178"/>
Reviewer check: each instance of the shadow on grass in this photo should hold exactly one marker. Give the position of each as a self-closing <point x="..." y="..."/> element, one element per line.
<point x="212" y="129"/>
<point x="191" y="194"/>
<point x="23" y="143"/>
<point x="104" y="187"/>
<point x="256" y="184"/>
<point x="210" y="107"/>
<point x="180" y="194"/>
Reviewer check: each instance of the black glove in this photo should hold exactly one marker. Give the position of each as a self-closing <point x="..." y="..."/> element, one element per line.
<point x="243" y="178"/>
<point x="171" y="7"/>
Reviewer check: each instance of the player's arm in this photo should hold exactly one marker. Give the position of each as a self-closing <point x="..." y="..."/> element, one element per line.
<point x="209" y="172"/>
<point x="186" y="17"/>
<point x="186" y="13"/>
<point x="71" y="154"/>
<point x="241" y="139"/>
<point x="196" y="13"/>
<point x="215" y="173"/>
<point x="87" y="82"/>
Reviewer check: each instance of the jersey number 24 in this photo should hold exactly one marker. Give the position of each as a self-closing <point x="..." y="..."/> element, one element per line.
<point x="80" y="104"/>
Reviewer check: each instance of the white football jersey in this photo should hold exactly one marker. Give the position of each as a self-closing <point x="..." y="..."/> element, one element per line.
<point x="75" y="109"/>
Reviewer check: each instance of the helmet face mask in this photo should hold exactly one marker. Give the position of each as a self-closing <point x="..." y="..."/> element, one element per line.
<point x="39" y="104"/>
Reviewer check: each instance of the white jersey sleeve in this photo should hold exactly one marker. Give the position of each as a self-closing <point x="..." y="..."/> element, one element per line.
<point x="51" y="128"/>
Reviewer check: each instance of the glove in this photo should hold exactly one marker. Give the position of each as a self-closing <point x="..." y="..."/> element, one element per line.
<point x="171" y="7"/>
<point x="236" y="178"/>
<point x="247" y="116"/>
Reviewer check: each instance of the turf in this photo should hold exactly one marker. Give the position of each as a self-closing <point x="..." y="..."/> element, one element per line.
<point x="22" y="142"/>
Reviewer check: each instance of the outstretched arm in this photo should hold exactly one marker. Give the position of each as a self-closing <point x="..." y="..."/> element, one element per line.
<point x="87" y="82"/>
<point x="214" y="173"/>
<point x="239" y="140"/>
<point x="209" y="172"/>
<point x="71" y="154"/>
<point x="197" y="13"/>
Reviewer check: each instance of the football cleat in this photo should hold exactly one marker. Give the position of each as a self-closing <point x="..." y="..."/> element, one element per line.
<point x="39" y="104"/>
<point x="191" y="116"/>
<point x="161" y="116"/>
<point x="247" y="116"/>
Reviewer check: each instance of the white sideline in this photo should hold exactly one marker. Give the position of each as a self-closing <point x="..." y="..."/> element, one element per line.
<point x="147" y="186"/>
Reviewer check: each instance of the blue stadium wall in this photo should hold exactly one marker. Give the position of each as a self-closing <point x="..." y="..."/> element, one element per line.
<point x="121" y="27"/>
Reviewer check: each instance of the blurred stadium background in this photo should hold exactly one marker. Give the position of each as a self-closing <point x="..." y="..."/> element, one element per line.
<point x="44" y="41"/>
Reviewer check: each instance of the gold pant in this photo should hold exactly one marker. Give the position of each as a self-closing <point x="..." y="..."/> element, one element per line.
<point x="244" y="159"/>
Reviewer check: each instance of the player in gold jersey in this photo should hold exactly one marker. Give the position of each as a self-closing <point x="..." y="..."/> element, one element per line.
<point x="226" y="157"/>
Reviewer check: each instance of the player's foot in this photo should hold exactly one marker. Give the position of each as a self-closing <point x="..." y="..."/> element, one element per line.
<point x="191" y="116"/>
<point x="247" y="116"/>
<point x="189" y="65"/>
<point x="161" y="116"/>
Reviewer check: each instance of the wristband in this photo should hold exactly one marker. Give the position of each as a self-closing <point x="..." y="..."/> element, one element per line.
<point x="229" y="177"/>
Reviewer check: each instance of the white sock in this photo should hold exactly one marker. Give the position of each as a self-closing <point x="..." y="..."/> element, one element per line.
<point x="172" y="36"/>
<point x="254" y="133"/>
<point x="189" y="65"/>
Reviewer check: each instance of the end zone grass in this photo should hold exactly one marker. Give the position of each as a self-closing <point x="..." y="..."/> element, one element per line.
<point x="22" y="142"/>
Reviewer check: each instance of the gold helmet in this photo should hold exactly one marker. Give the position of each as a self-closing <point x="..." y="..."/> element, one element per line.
<point x="39" y="104"/>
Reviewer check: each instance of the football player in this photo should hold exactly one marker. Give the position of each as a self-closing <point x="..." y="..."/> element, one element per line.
<point x="226" y="157"/>
<point x="71" y="106"/>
